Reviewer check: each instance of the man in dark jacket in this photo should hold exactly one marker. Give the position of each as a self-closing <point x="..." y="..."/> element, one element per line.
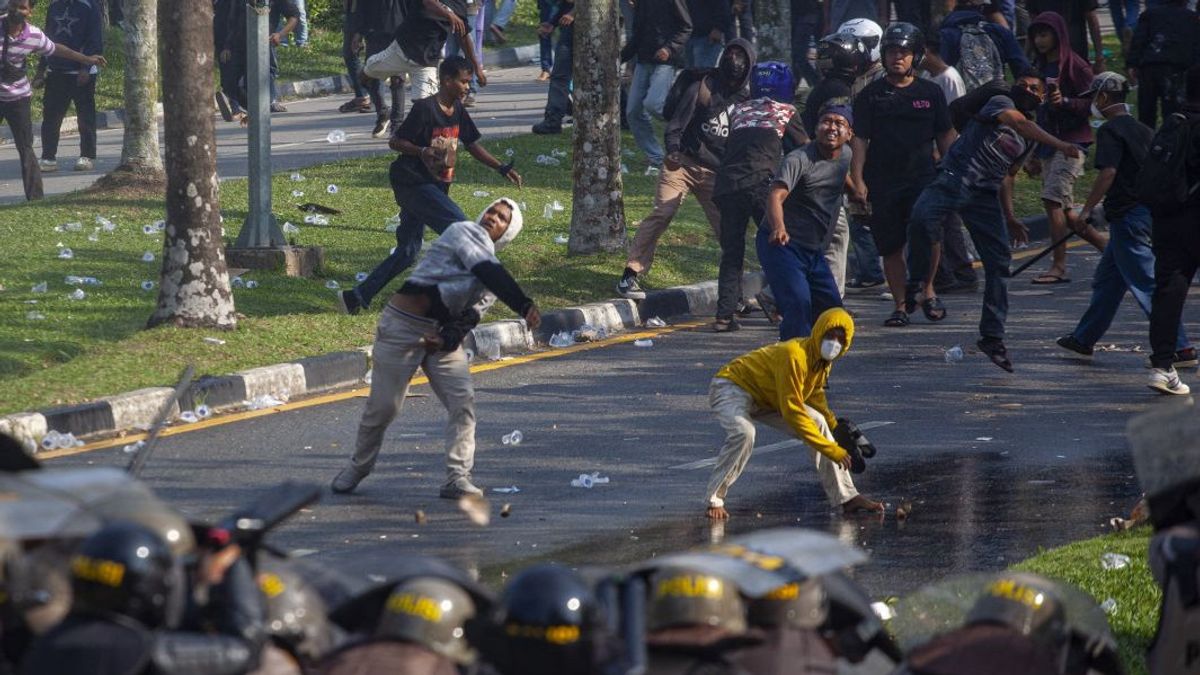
<point x="375" y="22"/>
<point x="231" y="50"/>
<point x="661" y="29"/>
<point x="558" y="100"/>
<point x="76" y="24"/>
<point x="712" y="25"/>
<point x="695" y="138"/>
<point x="1165" y="43"/>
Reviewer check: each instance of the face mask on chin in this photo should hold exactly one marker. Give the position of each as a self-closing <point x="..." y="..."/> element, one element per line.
<point x="830" y="349"/>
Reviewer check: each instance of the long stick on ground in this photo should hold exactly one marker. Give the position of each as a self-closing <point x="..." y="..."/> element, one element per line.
<point x="1025" y="265"/>
<point x="143" y="453"/>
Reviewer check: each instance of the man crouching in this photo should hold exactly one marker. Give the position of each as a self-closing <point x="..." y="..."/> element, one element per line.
<point x="783" y="385"/>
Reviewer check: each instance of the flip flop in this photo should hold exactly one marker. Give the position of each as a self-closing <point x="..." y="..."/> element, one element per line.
<point x="898" y="319"/>
<point x="1049" y="280"/>
<point x="996" y="351"/>
<point x="934" y="309"/>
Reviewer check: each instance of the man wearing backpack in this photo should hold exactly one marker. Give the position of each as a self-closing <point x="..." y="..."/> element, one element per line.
<point x="1128" y="261"/>
<point x="697" y="128"/>
<point x="1165" y="43"/>
<point x="1173" y="162"/>
<point x="979" y="49"/>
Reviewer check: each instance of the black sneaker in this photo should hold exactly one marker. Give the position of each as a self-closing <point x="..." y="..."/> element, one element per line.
<point x="348" y="302"/>
<point x="995" y="350"/>
<point x="224" y="106"/>
<point x="629" y="288"/>
<point x="1186" y="358"/>
<point x="744" y="308"/>
<point x="1069" y="343"/>
<point x="547" y="128"/>
<point x="278" y="107"/>
<point x="382" y="125"/>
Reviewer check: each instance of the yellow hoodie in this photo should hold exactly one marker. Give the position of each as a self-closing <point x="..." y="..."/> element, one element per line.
<point x="787" y="375"/>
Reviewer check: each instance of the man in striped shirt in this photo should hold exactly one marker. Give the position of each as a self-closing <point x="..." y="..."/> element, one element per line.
<point x="20" y="40"/>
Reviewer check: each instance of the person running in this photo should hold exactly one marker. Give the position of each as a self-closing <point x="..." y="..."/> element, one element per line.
<point x="428" y="142"/>
<point x="424" y="324"/>
<point x="783" y="385"/>
<point x="76" y="24"/>
<point x="899" y="119"/>
<point x="761" y="131"/>
<point x="416" y="48"/>
<point x="976" y="181"/>
<point x="376" y="22"/>
<point x="1128" y="261"/>
<point x="20" y="41"/>
<point x="802" y="207"/>
<point x="695" y="142"/>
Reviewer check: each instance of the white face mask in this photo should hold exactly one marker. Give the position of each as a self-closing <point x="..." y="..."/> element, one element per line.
<point x="1096" y="112"/>
<point x="830" y="349"/>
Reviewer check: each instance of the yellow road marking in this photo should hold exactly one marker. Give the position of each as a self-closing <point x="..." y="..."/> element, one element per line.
<point x="361" y="392"/>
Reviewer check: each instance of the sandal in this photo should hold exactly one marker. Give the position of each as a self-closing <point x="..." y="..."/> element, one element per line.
<point x="910" y="300"/>
<point x="995" y="350"/>
<point x="355" y="105"/>
<point x="725" y="326"/>
<point x="934" y="309"/>
<point x="898" y="319"/>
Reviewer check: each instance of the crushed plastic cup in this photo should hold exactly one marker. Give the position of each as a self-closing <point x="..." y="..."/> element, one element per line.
<point x="132" y="448"/>
<point x="481" y="193"/>
<point x="655" y="322"/>
<point x="332" y="189"/>
<point x="188" y="417"/>
<point x="237" y="282"/>
<point x="556" y="152"/>
<point x="561" y="239"/>
<point x="297" y="193"/>
<point x="72" y="280"/>
<point x="316" y="219"/>
<point x="147" y="285"/>
<point x="508" y="152"/>
<point x="336" y="136"/>
<point x="35" y="316"/>
<point x="50" y="440"/>
<point x="147" y="257"/>
<point x="105" y="223"/>
<point x="1109" y="606"/>
<point x="589" y="480"/>
<point x="546" y="160"/>
<point x="360" y="277"/>
<point x="149" y="229"/>
<point x="263" y="402"/>
<point x="367" y="377"/>
<point x="562" y="339"/>
<point x="514" y="438"/>
<point x="213" y="341"/>
<point x="954" y="354"/>
<point x="510" y="490"/>
<point x="289" y="228"/>
<point x="643" y="343"/>
<point x="77" y="294"/>
<point x="1114" y="561"/>
<point x="95" y="236"/>
<point x="548" y="212"/>
<point x="203" y="412"/>
<point x="297" y="178"/>
<point x="66" y="254"/>
<point x="73" y="227"/>
<point x="251" y="284"/>
<point x="40" y="288"/>
<point x="557" y="205"/>
<point x="332" y="285"/>
<point x="160" y="225"/>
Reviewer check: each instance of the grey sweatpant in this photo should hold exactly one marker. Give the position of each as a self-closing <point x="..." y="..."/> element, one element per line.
<point x="397" y="352"/>
<point x="737" y="412"/>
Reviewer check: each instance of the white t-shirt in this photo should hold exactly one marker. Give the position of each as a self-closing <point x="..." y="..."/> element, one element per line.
<point x="950" y="81"/>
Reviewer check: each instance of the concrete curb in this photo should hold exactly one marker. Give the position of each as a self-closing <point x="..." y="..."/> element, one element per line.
<point x="507" y="57"/>
<point x="136" y="410"/>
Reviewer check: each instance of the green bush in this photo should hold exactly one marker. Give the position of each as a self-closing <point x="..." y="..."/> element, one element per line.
<point x="325" y="14"/>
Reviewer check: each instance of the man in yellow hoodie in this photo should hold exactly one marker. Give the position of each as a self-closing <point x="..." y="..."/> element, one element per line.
<point x="783" y="385"/>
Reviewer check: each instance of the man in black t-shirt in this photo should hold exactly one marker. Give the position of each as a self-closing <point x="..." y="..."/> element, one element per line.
<point x="428" y="142"/>
<point x="417" y="45"/>
<point x="897" y="121"/>
<point x="1165" y="43"/>
<point x="1128" y="260"/>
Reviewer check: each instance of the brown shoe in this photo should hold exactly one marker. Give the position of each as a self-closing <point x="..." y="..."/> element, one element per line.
<point x="544" y="76"/>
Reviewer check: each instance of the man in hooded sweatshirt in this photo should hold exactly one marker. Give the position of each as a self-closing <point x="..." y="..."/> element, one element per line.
<point x="695" y="143"/>
<point x="783" y="385"/>
<point x="424" y="324"/>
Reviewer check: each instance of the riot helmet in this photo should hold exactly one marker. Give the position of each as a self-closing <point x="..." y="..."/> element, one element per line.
<point x="802" y="604"/>
<point x="869" y="32"/>
<point x="681" y="596"/>
<point x="431" y="612"/>
<point x="297" y="617"/>
<point x="1024" y="603"/>
<point x="841" y="55"/>
<point x="773" y="80"/>
<point x="906" y="35"/>
<point x="1166" y="453"/>
<point x="125" y="569"/>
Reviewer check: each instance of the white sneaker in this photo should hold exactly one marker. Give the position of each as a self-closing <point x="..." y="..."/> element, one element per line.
<point x="48" y="165"/>
<point x="84" y="164"/>
<point x="1166" y="381"/>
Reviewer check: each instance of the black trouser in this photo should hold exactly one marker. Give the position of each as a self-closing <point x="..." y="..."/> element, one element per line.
<point x="738" y="209"/>
<point x="377" y="42"/>
<point x="955" y="265"/>
<point x="63" y="89"/>
<point x="558" y="100"/>
<point x="20" y="122"/>
<point x="350" y="57"/>
<point x="1176" y="241"/>
<point x="231" y="79"/>
<point x="1159" y="82"/>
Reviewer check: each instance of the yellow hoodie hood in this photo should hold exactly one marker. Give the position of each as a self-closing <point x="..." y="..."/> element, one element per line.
<point x="786" y="377"/>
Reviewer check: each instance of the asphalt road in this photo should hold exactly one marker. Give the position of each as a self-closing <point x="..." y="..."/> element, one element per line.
<point x="511" y="103"/>
<point x="997" y="465"/>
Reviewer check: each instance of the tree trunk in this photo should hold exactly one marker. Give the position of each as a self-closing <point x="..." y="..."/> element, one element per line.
<point x="140" y="151"/>
<point x="598" y="212"/>
<point x="194" y="285"/>
<point x="773" y="22"/>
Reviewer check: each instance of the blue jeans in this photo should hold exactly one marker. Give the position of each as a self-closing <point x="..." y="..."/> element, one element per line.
<point x="864" y="257"/>
<point x="648" y="94"/>
<point x="1124" y="14"/>
<point x="702" y="52"/>
<point x="504" y="14"/>
<point x="427" y="204"/>
<point x="981" y="213"/>
<point x="545" y="45"/>
<point x="801" y="281"/>
<point x="1127" y="265"/>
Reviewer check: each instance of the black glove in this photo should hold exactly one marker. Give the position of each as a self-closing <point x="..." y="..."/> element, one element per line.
<point x="453" y="332"/>
<point x="851" y="438"/>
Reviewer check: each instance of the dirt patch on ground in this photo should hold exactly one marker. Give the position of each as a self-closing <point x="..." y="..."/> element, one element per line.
<point x="131" y="184"/>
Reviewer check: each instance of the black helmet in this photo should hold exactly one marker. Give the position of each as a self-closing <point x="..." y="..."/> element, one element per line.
<point x="549" y="621"/>
<point x="431" y="612"/>
<point x="901" y="34"/>
<point x="841" y="55"/>
<point x="127" y="569"/>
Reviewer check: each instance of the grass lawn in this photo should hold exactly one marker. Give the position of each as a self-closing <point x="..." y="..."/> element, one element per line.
<point x="1137" y="596"/>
